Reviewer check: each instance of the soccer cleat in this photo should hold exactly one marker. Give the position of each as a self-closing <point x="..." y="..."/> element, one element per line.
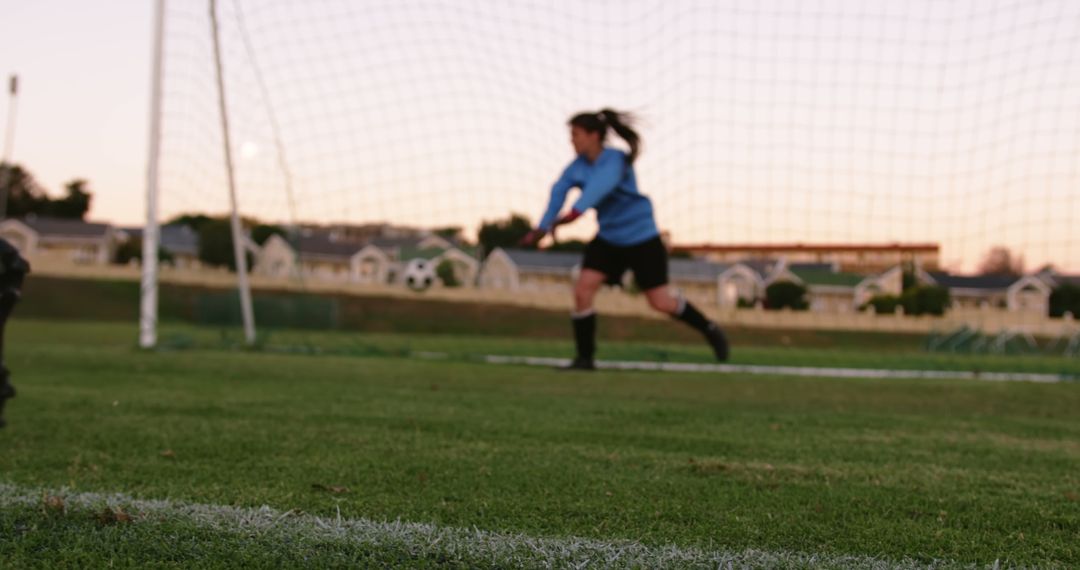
<point x="580" y="364"/>
<point x="716" y="338"/>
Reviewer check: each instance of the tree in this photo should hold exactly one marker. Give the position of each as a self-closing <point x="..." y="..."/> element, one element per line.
<point x="1065" y="298"/>
<point x="503" y="233"/>
<point x="262" y="232"/>
<point x="193" y="221"/>
<point x="74" y="206"/>
<point x="1001" y="261"/>
<point x="909" y="277"/>
<point x="216" y="244"/>
<point x="450" y="233"/>
<point x="24" y="194"/>
<point x="786" y="294"/>
<point x="883" y="304"/>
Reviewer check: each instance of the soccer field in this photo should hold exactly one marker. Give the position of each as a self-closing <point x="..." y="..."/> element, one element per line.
<point x="364" y="455"/>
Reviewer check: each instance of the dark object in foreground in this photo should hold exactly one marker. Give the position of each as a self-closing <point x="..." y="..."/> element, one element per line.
<point x="13" y="269"/>
<point x="7" y="391"/>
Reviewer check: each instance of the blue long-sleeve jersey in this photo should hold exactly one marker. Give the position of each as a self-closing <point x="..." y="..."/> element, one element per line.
<point x="625" y="215"/>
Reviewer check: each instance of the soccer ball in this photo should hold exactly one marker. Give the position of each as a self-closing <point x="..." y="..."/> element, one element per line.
<point x="419" y="274"/>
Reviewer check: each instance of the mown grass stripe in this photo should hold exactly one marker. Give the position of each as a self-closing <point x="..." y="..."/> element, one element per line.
<point x="451" y="545"/>
<point x="809" y="371"/>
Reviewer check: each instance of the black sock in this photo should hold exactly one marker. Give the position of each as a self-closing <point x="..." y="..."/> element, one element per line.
<point x="585" y="336"/>
<point x="693" y="317"/>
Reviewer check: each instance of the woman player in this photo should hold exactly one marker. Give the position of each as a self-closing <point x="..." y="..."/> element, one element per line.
<point x="628" y="238"/>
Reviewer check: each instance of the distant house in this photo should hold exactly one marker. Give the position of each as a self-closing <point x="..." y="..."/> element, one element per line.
<point x="857" y="258"/>
<point x="703" y="281"/>
<point x="534" y="270"/>
<point x="319" y="255"/>
<point x="371" y="266"/>
<point x="178" y="240"/>
<point x="182" y="243"/>
<point x="744" y="281"/>
<point x="538" y="270"/>
<point x="741" y="283"/>
<point x="842" y="292"/>
<point x="463" y="264"/>
<point x="1054" y="279"/>
<point x="831" y="291"/>
<point x="393" y="246"/>
<point x="315" y="256"/>
<point x="1029" y="293"/>
<point x="61" y="240"/>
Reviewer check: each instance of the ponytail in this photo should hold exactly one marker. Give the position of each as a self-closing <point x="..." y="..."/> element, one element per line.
<point x="621" y="122"/>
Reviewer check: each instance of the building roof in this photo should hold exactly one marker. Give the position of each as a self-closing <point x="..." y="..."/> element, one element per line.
<point x="543" y="261"/>
<point x="1051" y="277"/>
<point x="829" y="278"/>
<point x="984" y="282"/>
<point x="817" y="267"/>
<point x="385" y="243"/>
<point x="818" y="248"/>
<point x="696" y="269"/>
<point x="761" y="265"/>
<point x="322" y="245"/>
<point x="60" y="227"/>
<point x="401" y="243"/>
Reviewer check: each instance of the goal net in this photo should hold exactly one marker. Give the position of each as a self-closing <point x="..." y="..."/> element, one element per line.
<point x="845" y="122"/>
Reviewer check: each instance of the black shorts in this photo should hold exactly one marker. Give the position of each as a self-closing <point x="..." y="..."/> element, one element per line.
<point x="648" y="260"/>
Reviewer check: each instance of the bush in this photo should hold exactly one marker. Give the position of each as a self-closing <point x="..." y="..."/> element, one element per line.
<point x="925" y="300"/>
<point x="786" y="294"/>
<point x="744" y="303"/>
<point x="884" y="304"/>
<point x="1065" y="298"/>
<point x="446" y="274"/>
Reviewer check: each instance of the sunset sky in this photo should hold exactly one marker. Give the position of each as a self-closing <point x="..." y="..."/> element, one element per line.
<point x="949" y="121"/>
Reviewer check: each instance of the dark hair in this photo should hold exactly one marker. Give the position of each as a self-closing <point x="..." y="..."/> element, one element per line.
<point x="620" y="122"/>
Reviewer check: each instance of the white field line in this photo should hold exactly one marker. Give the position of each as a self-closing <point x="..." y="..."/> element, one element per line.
<point x="471" y="546"/>
<point x="787" y="370"/>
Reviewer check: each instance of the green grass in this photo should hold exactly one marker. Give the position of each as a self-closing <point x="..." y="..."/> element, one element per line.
<point x="469" y="329"/>
<point x="79" y="541"/>
<point x="472" y="347"/>
<point x="960" y="470"/>
<point x="465" y="347"/>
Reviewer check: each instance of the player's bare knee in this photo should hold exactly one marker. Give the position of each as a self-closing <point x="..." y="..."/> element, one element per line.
<point x="661" y="304"/>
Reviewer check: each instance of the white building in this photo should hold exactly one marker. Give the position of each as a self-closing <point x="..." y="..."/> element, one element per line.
<point x="61" y="240"/>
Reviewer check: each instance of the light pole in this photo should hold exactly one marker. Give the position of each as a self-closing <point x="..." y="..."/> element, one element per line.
<point x="9" y="144"/>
